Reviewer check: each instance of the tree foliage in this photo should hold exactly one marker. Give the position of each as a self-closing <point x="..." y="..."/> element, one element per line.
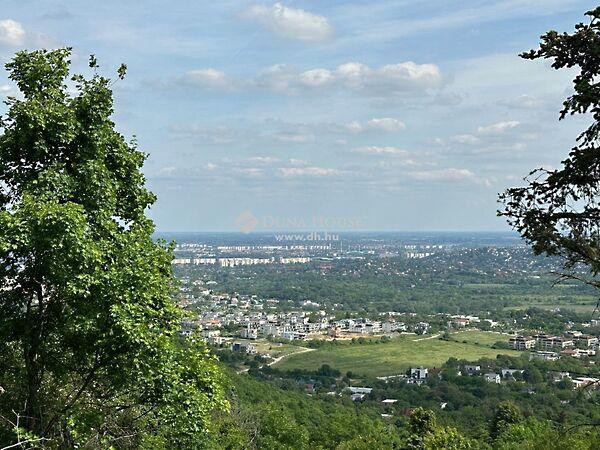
<point x="558" y="212"/>
<point x="88" y="348"/>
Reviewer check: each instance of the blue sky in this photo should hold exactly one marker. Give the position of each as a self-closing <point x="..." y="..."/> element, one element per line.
<point x="372" y="115"/>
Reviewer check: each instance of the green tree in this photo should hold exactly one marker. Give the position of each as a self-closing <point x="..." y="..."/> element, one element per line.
<point x="507" y="414"/>
<point x="533" y="375"/>
<point x="88" y="348"/>
<point x="558" y="212"/>
<point x="279" y="431"/>
<point x="534" y="434"/>
<point x="425" y="434"/>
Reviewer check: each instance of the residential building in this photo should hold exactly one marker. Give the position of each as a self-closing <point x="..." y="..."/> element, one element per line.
<point x="521" y="343"/>
<point x="492" y="378"/>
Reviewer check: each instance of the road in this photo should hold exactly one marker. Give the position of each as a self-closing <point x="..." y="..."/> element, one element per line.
<point x="276" y="360"/>
<point x="279" y="358"/>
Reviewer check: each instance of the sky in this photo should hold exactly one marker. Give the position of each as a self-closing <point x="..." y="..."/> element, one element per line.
<point x="341" y="115"/>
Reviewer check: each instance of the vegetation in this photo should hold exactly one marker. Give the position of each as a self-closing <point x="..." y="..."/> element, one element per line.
<point x="473" y="281"/>
<point x="558" y="212"/>
<point x="391" y="358"/>
<point x="88" y="355"/>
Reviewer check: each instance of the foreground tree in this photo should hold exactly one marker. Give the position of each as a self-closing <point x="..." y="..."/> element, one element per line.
<point x="558" y="212"/>
<point x="88" y="349"/>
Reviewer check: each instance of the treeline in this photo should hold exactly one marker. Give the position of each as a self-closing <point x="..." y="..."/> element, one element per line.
<point x="266" y="416"/>
<point x="483" y="282"/>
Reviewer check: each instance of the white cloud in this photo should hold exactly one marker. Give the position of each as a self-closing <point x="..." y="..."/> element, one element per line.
<point x="522" y="102"/>
<point x="384" y="81"/>
<point x="450" y="174"/>
<point x="467" y="139"/>
<point x="498" y="128"/>
<point x="289" y="172"/>
<point x="354" y="127"/>
<point x="386" y="124"/>
<point x="294" y="138"/>
<point x="209" y="78"/>
<point x="5" y="89"/>
<point x="11" y="32"/>
<point x="316" y="77"/>
<point x="376" y="150"/>
<point x="290" y="23"/>
<point x="267" y="160"/>
<point x="298" y="162"/>
<point x="390" y="78"/>
<point x="249" y="172"/>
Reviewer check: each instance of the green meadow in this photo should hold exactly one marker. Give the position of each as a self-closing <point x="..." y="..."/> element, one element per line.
<point x="396" y="356"/>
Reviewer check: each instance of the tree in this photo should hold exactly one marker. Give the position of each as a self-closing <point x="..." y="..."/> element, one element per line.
<point x="533" y="375"/>
<point x="558" y="212"/>
<point x="279" y="430"/>
<point x="425" y="434"/>
<point x="88" y="330"/>
<point x="507" y="414"/>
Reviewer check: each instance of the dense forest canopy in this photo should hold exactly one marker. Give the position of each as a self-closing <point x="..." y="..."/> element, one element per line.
<point x="88" y="354"/>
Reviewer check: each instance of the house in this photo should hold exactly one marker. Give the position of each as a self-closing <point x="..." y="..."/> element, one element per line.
<point x="249" y="333"/>
<point x="459" y="322"/>
<point x="521" y="343"/>
<point x="422" y="328"/>
<point x="585" y="382"/>
<point x="510" y="373"/>
<point x="550" y="342"/>
<point x="389" y="401"/>
<point x="243" y="347"/>
<point x="545" y="356"/>
<point x="418" y="375"/>
<point x="492" y="378"/>
<point x="360" y="390"/>
<point x="559" y="376"/>
<point x="586" y="341"/>
<point x="578" y="352"/>
<point x="390" y="327"/>
<point x="216" y="341"/>
<point x="293" y="335"/>
<point x="472" y="370"/>
<point x="210" y="333"/>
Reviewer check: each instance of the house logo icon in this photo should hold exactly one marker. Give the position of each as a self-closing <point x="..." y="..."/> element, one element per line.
<point x="246" y="222"/>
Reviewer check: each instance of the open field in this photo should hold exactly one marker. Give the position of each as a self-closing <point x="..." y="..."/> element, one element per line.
<point x="485" y="338"/>
<point x="577" y="303"/>
<point x="393" y="357"/>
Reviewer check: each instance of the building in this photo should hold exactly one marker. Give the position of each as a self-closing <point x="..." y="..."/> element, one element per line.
<point x="419" y="374"/>
<point x="521" y="343"/>
<point x="546" y="356"/>
<point x="586" y="341"/>
<point x="243" y="347"/>
<point x="510" y="373"/>
<point x="492" y="378"/>
<point x="249" y="333"/>
<point x="390" y="327"/>
<point x="472" y="370"/>
<point x="422" y="328"/>
<point x="578" y="352"/>
<point x="360" y="390"/>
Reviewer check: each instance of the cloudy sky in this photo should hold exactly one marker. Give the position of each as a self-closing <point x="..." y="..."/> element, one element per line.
<point x="376" y="115"/>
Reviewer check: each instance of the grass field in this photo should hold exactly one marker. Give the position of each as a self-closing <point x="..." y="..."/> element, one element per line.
<point x="397" y="355"/>
<point x="485" y="338"/>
